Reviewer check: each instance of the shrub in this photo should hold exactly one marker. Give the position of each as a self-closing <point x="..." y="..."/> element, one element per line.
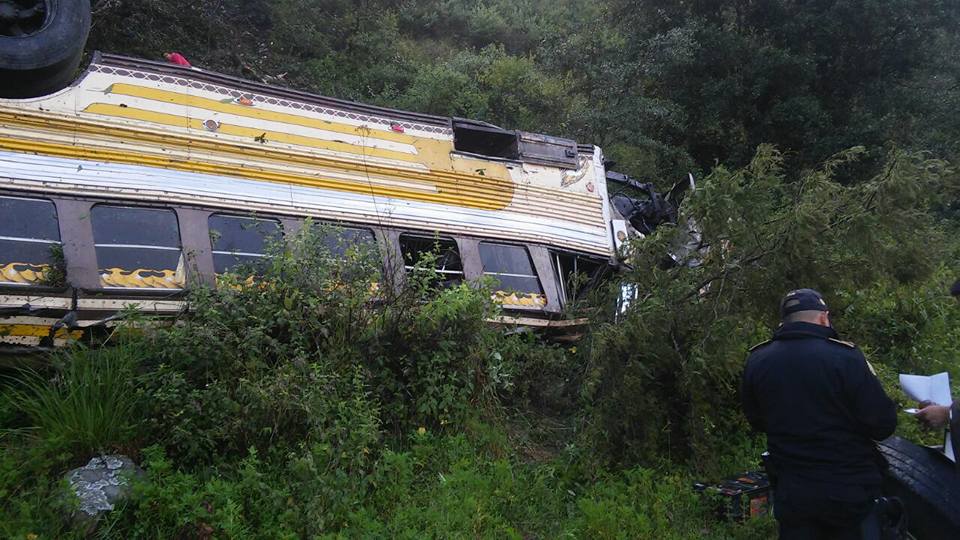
<point x="643" y="504"/>
<point x="318" y="351"/>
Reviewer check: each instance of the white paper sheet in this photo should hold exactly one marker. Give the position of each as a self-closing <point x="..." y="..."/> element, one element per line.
<point x="932" y="388"/>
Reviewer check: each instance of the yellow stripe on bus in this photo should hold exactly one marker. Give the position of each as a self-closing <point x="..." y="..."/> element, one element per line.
<point x="434" y="153"/>
<point x="455" y="187"/>
<point x="249" y="133"/>
<point x="229" y="107"/>
<point x="491" y="202"/>
<point x="35" y="330"/>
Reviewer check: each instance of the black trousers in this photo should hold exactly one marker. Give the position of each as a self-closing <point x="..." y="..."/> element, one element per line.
<point x="809" y="510"/>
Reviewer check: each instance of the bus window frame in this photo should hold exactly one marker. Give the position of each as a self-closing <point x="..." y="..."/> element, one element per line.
<point x="31" y="288"/>
<point x="539" y="254"/>
<point x="280" y="236"/>
<point x="184" y="260"/>
<point x="438" y="236"/>
<point x="76" y="236"/>
<point x="602" y="269"/>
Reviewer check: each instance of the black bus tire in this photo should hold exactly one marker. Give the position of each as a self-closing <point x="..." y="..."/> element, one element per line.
<point x="929" y="486"/>
<point x="46" y="60"/>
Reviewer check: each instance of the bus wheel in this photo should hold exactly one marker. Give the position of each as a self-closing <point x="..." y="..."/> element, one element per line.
<point x="41" y="42"/>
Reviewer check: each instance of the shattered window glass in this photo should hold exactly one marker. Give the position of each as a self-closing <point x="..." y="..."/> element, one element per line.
<point x="30" y="249"/>
<point x="447" y="264"/>
<point x="137" y="248"/>
<point x="241" y="241"/>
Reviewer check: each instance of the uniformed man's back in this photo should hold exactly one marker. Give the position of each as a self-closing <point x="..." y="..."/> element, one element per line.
<point x="822" y="408"/>
<point x="818" y="403"/>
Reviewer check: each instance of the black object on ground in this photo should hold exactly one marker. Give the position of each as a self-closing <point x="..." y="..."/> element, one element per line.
<point x="744" y="496"/>
<point x="929" y="486"/>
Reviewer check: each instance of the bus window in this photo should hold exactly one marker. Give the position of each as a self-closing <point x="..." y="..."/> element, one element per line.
<point x="340" y="240"/>
<point x="241" y="241"/>
<point x="447" y="264"/>
<point x="512" y="269"/>
<point x="137" y="248"/>
<point x="577" y="274"/>
<point x="30" y="249"/>
<point x="354" y="256"/>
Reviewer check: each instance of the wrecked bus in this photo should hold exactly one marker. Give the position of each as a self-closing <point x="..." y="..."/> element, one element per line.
<point x="141" y="177"/>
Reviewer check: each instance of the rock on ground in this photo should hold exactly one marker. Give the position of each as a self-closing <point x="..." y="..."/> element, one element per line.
<point x="102" y="482"/>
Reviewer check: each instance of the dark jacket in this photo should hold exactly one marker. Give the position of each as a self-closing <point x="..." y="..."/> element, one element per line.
<point x="820" y="405"/>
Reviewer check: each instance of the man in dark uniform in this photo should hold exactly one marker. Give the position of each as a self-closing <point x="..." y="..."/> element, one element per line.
<point x="822" y="408"/>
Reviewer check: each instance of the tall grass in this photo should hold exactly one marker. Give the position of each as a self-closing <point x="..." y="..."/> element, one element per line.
<point x="87" y="403"/>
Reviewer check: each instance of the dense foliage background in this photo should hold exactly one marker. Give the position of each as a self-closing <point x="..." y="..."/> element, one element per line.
<point x="822" y="135"/>
<point x="664" y="87"/>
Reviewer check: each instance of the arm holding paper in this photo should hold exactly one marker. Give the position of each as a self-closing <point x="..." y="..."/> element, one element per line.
<point x="938" y="409"/>
<point x="933" y="394"/>
<point x="938" y="416"/>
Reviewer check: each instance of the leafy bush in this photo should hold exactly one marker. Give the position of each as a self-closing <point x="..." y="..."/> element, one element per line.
<point x="319" y="350"/>
<point x="440" y="486"/>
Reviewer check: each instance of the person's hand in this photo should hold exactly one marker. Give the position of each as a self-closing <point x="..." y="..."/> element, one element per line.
<point x="933" y="416"/>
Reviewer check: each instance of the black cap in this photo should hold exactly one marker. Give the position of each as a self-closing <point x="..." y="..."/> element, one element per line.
<point x="955" y="290"/>
<point x="802" y="300"/>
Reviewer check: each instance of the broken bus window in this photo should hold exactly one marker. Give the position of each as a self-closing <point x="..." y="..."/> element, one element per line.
<point x="485" y="139"/>
<point x="577" y="274"/>
<point x="447" y="265"/>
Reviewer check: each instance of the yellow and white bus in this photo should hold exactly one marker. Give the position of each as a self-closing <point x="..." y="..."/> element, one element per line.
<point x="110" y="188"/>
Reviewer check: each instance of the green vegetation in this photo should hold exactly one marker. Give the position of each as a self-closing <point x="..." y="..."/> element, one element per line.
<point x="89" y="406"/>
<point x="665" y="377"/>
<point x="318" y="400"/>
<point x="664" y="87"/>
